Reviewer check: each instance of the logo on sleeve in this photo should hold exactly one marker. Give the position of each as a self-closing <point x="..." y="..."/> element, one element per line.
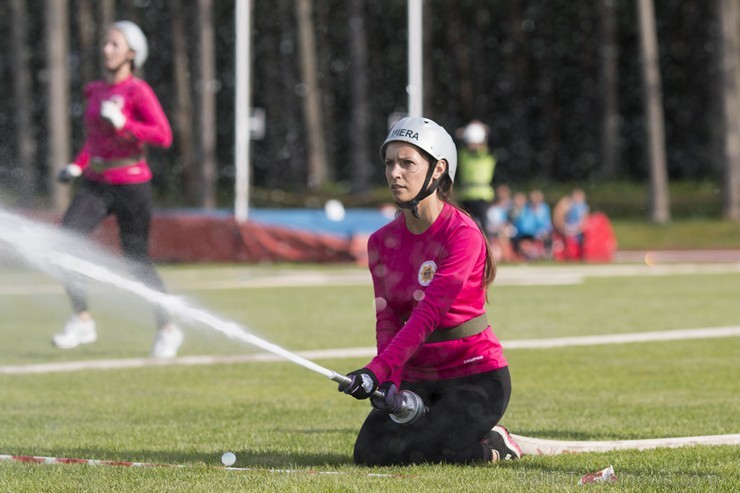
<point x="426" y="272"/>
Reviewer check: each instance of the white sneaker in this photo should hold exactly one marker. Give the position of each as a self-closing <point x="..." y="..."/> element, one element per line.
<point x="168" y="341"/>
<point x="76" y="332"/>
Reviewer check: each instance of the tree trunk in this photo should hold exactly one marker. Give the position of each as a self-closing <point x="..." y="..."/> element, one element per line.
<point x="89" y="54"/>
<point x="25" y="138"/>
<point x="553" y="134"/>
<point x="57" y="43"/>
<point x="106" y="10"/>
<point x="728" y="18"/>
<point x="318" y="169"/>
<point x="360" y="124"/>
<point x="207" y="104"/>
<point x="653" y="99"/>
<point x="183" y="110"/>
<point x="458" y="40"/>
<point x="609" y="89"/>
<point x="518" y="65"/>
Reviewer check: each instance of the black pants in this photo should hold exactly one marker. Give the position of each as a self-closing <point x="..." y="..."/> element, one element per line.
<point x="478" y="210"/>
<point x="461" y="412"/>
<point x="132" y="207"/>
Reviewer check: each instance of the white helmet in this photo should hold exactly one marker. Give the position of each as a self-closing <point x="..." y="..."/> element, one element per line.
<point x="136" y="41"/>
<point x="427" y="135"/>
<point x="475" y="133"/>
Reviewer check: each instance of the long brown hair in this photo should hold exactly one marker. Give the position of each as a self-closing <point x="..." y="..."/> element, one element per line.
<point x="445" y="193"/>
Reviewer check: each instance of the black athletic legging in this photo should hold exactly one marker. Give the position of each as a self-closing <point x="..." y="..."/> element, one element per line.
<point x="461" y="412"/>
<point x="132" y="207"/>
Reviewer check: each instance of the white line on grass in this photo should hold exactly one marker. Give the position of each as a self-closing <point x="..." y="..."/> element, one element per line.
<point x="110" y="364"/>
<point x="507" y="275"/>
<point x="35" y="459"/>
<point x="666" y="335"/>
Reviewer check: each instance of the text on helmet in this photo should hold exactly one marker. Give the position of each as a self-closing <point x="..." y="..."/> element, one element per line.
<point x="405" y="132"/>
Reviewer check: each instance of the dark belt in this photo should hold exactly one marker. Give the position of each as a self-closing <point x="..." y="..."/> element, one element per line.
<point x="99" y="164"/>
<point x="466" y="329"/>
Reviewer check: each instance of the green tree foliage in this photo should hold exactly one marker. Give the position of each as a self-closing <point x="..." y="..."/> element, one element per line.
<point x="529" y="69"/>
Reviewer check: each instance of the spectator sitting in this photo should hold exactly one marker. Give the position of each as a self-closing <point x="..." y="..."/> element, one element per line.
<point x="558" y="214"/>
<point x="498" y="213"/>
<point x="570" y="217"/>
<point x="576" y="214"/>
<point x="532" y="224"/>
<point x="499" y="226"/>
<point x="518" y="203"/>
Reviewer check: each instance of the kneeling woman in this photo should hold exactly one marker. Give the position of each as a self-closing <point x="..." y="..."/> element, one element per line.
<point x="431" y="267"/>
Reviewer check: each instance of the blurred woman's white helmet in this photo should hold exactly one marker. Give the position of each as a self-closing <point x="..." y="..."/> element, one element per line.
<point x="427" y="135"/>
<point x="136" y="41"/>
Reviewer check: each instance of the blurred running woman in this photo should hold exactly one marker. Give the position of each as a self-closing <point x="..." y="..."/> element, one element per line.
<point x="431" y="268"/>
<point x="122" y="116"/>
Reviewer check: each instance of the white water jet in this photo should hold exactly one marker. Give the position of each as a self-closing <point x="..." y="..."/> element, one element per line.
<point x="59" y="254"/>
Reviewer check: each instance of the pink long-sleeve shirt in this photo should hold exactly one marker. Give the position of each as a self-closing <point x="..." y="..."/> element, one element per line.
<point x="146" y="123"/>
<point x="426" y="282"/>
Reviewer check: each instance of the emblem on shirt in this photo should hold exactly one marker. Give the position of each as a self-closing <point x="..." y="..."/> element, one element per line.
<point x="426" y="272"/>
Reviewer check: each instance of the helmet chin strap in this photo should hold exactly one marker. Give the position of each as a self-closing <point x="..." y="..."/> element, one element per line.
<point x="426" y="191"/>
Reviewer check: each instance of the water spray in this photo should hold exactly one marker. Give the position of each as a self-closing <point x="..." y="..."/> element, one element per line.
<point x="413" y="406"/>
<point x="40" y="253"/>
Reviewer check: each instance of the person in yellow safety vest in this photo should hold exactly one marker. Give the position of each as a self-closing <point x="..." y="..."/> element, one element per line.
<point x="476" y="165"/>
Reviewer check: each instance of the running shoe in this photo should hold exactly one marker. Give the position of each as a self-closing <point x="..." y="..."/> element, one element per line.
<point x="77" y="331"/>
<point x="168" y="341"/>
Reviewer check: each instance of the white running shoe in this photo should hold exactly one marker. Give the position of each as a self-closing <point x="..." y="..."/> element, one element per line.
<point x="168" y="341"/>
<point x="76" y="332"/>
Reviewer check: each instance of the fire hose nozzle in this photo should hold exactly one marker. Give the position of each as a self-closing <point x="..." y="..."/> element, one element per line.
<point x="413" y="405"/>
<point x="413" y="408"/>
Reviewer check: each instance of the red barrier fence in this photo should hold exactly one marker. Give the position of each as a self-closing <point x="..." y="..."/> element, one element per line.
<point x="201" y="238"/>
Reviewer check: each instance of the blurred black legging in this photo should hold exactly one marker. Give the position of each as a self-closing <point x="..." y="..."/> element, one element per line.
<point x="132" y="207"/>
<point x="461" y="412"/>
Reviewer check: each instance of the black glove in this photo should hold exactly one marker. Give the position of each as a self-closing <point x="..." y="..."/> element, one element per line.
<point x="392" y="403"/>
<point x="68" y="173"/>
<point x="362" y="384"/>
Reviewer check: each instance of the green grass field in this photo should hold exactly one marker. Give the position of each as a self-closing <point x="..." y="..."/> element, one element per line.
<point x="709" y="234"/>
<point x="280" y="416"/>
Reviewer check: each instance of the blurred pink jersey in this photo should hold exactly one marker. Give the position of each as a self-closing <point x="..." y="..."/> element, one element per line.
<point x="145" y="124"/>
